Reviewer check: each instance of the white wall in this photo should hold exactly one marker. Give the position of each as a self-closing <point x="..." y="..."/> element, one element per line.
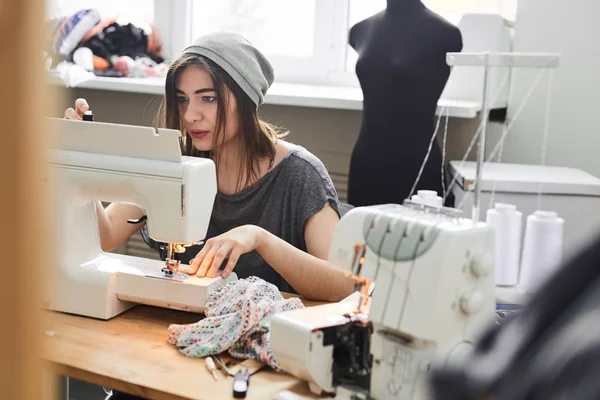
<point x="571" y="28"/>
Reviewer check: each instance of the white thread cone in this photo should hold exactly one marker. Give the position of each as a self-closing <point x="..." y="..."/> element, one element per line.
<point x="506" y="222"/>
<point x="542" y="249"/>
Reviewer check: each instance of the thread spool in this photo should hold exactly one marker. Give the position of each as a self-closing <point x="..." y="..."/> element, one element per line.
<point x="506" y="221"/>
<point x="428" y="198"/>
<point x="542" y="249"/>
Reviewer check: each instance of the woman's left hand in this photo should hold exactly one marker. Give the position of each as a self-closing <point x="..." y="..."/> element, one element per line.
<point x="231" y="244"/>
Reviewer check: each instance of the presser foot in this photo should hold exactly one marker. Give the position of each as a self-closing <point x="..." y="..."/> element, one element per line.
<point x="171" y="267"/>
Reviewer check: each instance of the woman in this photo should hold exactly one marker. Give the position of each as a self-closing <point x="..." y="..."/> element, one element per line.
<point x="276" y="208"/>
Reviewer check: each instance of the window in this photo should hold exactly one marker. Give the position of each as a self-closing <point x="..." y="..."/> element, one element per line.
<point x="278" y="28"/>
<point x="452" y="9"/>
<point x="305" y="40"/>
<point x="294" y="35"/>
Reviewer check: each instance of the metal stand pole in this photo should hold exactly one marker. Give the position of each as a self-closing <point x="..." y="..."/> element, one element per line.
<point x="488" y="60"/>
<point x="476" y="211"/>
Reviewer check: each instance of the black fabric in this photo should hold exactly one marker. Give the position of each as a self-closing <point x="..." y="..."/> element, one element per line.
<point x="402" y="72"/>
<point x="121" y="40"/>
<point x="549" y="350"/>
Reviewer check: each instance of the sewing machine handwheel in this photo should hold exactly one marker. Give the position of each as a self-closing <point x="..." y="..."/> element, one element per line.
<point x="137" y="221"/>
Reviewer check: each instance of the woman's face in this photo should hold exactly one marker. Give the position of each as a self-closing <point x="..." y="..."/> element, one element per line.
<point x="198" y="105"/>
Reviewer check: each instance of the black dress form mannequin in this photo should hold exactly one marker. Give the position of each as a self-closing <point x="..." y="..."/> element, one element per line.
<point x="402" y="72"/>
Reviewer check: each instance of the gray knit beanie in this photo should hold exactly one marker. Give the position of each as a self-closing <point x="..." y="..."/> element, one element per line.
<point x="248" y="67"/>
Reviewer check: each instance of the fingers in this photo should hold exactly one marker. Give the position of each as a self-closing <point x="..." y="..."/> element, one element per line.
<point x="220" y="256"/>
<point x="193" y="266"/>
<point x="234" y="256"/>
<point x="229" y="246"/>
<point x="196" y="261"/>
<point x="71" y="114"/>
<point x="81" y="106"/>
<point x="205" y="260"/>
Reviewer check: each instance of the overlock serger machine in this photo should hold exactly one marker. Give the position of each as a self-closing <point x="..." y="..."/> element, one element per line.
<point x="433" y="293"/>
<point x="93" y="161"/>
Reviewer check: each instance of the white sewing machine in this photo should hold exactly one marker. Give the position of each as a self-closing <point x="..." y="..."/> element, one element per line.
<point x="433" y="292"/>
<point x="93" y="161"/>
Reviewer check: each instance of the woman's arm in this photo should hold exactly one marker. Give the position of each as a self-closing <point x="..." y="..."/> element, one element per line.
<point x="113" y="226"/>
<point x="309" y="273"/>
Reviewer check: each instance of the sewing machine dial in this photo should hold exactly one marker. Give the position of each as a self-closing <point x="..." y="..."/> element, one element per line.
<point x="472" y="302"/>
<point x="481" y="267"/>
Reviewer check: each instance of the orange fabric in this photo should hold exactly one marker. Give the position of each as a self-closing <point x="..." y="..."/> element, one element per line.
<point x="100" y="63"/>
<point x="98" y="28"/>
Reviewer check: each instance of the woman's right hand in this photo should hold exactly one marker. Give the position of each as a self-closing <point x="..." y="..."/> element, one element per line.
<point x="81" y="106"/>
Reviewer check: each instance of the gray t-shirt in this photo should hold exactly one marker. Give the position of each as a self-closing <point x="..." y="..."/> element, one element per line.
<point x="280" y="202"/>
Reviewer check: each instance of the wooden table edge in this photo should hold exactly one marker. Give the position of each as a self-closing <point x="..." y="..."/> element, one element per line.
<point x="121" y="385"/>
<point x="108" y="382"/>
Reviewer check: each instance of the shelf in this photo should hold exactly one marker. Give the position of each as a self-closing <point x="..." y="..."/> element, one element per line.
<point x="287" y="94"/>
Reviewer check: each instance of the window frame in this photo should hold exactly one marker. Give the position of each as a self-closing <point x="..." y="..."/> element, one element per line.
<point x="327" y="54"/>
<point x="327" y="67"/>
<point x="172" y="19"/>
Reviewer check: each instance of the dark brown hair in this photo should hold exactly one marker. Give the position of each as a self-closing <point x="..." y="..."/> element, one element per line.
<point x="257" y="137"/>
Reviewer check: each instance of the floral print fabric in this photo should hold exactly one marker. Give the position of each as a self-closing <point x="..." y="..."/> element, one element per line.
<point x="238" y="317"/>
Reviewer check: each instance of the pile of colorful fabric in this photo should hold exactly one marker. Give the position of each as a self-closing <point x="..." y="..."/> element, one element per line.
<point x="104" y="47"/>
<point x="238" y="318"/>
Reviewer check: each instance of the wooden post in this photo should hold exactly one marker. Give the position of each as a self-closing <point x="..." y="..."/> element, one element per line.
<point x="24" y="228"/>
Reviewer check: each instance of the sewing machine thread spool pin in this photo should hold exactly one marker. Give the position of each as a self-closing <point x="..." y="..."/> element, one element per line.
<point x="88" y="116"/>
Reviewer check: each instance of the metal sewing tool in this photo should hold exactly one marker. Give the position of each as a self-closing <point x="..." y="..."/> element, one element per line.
<point x="222" y="366"/>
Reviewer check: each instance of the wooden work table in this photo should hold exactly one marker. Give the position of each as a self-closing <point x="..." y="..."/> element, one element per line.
<point x="130" y="353"/>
